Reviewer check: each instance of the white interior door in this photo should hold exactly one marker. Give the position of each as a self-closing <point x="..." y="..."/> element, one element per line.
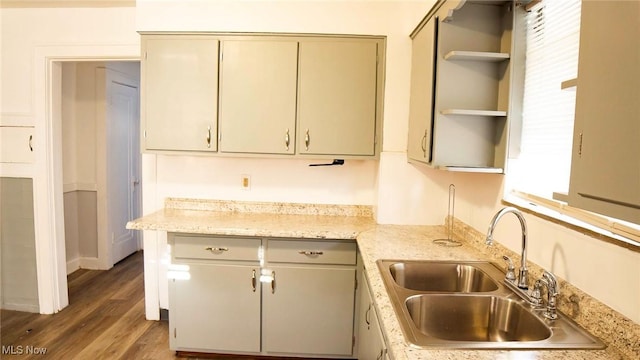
<point x="122" y="165"/>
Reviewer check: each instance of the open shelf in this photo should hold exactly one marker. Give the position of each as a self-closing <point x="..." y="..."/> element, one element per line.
<point x="569" y="84"/>
<point x="467" y="112"/>
<point x="476" y="56"/>
<point x="476" y="169"/>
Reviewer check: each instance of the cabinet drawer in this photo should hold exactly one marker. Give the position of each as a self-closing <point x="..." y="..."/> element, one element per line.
<point x="312" y="252"/>
<point x="215" y="248"/>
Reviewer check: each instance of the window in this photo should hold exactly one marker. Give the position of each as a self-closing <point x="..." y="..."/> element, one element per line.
<point x="552" y="43"/>
<point x="542" y="169"/>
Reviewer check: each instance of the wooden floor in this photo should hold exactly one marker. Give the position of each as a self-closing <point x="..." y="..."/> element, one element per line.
<point x="105" y="320"/>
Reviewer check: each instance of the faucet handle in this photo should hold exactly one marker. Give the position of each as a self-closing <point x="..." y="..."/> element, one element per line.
<point x="511" y="274"/>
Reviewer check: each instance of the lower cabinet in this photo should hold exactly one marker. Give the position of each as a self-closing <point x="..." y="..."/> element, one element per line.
<point x="371" y="345"/>
<point x="217" y="309"/>
<point x="262" y="296"/>
<point x="309" y="310"/>
<point x="214" y="294"/>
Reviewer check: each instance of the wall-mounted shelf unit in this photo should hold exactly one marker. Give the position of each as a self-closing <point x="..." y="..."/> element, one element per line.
<point x="461" y="86"/>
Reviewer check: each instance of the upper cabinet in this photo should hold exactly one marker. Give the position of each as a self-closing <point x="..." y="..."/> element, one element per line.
<point x="277" y="95"/>
<point x="337" y="97"/>
<point x="461" y="86"/>
<point x="258" y="96"/>
<point x="423" y="61"/>
<point x="179" y="93"/>
<point x="605" y="167"/>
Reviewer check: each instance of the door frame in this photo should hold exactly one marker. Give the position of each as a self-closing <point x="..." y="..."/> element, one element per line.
<point x="48" y="193"/>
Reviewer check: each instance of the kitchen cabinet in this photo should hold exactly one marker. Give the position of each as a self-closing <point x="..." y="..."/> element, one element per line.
<point x="16" y="144"/>
<point x="258" y="96"/>
<point x="305" y="96"/>
<point x="460" y="86"/>
<point x="338" y="97"/>
<point x="214" y="294"/>
<point x="605" y="171"/>
<point x="179" y="93"/>
<point x="310" y="298"/>
<point x="253" y="295"/>
<point x="422" y="92"/>
<point x="371" y="344"/>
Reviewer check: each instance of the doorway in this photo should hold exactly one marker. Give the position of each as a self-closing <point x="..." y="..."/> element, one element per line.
<point x="100" y="161"/>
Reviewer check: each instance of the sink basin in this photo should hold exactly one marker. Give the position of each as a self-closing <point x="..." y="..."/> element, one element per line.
<point x="475" y="318"/>
<point x="441" y="277"/>
<point x="466" y="305"/>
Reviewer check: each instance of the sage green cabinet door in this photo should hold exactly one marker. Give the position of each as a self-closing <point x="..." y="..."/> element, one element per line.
<point x="309" y="311"/>
<point x="216" y="309"/>
<point x="337" y="97"/>
<point x="421" y="100"/>
<point x="258" y="96"/>
<point x="371" y="345"/>
<point x="180" y="93"/>
<point x="605" y="166"/>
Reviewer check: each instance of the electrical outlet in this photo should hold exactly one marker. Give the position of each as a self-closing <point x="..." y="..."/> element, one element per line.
<point x="245" y="182"/>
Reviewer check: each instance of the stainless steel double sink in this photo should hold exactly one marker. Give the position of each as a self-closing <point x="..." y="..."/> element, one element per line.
<point x="465" y="305"/>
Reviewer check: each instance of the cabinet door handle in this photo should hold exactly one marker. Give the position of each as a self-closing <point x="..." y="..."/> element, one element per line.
<point x="208" y="136"/>
<point x="366" y="317"/>
<point x="380" y="356"/>
<point x="253" y="280"/>
<point x="423" y="143"/>
<point x="580" y="146"/>
<point x="307" y="139"/>
<point x="273" y="282"/>
<point x="31" y="143"/>
<point x="310" y="253"/>
<point x="216" y="249"/>
<point x="286" y="140"/>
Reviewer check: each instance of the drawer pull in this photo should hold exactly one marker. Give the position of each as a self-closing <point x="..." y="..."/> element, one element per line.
<point x="310" y="253"/>
<point x="216" y="249"/>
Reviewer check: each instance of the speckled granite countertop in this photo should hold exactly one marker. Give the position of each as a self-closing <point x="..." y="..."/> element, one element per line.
<point x="391" y="242"/>
<point x="258" y="219"/>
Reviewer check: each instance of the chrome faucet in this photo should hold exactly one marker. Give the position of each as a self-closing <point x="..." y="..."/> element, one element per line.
<point x="523" y="278"/>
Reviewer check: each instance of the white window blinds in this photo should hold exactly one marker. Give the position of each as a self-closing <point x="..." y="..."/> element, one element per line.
<point x="552" y="43"/>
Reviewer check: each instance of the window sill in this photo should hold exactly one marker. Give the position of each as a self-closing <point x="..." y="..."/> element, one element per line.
<point x="587" y="223"/>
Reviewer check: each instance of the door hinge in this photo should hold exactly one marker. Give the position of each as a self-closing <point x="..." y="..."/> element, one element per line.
<point x="221" y="55"/>
<point x="353" y="341"/>
<point x="144" y="133"/>
<point x="175" y="333"/>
